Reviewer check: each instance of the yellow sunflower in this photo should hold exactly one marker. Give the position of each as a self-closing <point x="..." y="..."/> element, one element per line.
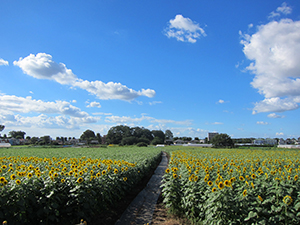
<point x="287" y="200"/>
<point x="221" y="185"/>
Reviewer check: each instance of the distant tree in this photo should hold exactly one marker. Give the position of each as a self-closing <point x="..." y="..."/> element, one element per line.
<point x="129" y="140"/>
<point x="168" y="135"/>
<point x="34" y="140"/>
<point x="196" y="139"/>
<point x="46" y="139"/>
<point x="99" y="138"/>
<point x="159" y="136"/>
<point x="88" y="135"/>
<point x="117" y="133"/>
<point x="157" y="140"/>
<point x="2" y="127"/>
<point x="141" y="132"/>
<point x="222" y="140"/>
<point x="4" y="136"/>
<point x="15" y="134"/>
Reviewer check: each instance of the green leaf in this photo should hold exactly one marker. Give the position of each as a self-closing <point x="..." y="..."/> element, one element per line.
<point x="251" y="214"/>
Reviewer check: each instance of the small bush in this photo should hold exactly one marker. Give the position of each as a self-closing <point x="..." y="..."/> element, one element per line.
<point x="142" y="144"/>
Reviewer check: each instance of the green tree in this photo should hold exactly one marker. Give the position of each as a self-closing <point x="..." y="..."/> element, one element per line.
<point x="99" y="138"/>
<point x="2" y="127"/>
<point x="117" y="133"/>
<point x="222" y="141"/>
<point x="157" y="140"/>
<point x="46" y="139"/>
<point x="88" y="135"/>
<point x="34" y="140"/>
<point x="169" y="135"/>
<point x="17" y="134"/>
<point x="158" y="134"/>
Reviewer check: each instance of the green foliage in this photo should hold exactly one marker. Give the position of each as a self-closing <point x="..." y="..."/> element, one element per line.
<point x="262" y="186"/>
<point x="222" y="141"/>
<point x="15" y="134"/>
<point x="54" y="196"/>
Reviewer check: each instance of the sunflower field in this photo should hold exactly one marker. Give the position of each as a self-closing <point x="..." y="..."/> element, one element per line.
<point x="63" y="189"/>
<point x="234" y="186"/>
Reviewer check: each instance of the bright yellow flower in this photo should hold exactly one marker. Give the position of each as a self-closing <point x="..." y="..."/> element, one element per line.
<point x="214" y="189"/>
<point x="295" y="177"/>
<point x="260" y="198"/>
<point x="79" y="180"/>
<point x="287" y="200"/>
<point x="13" y="176"/>
<point x="244" y="193"/>
<point x="227" y="183"/>
<point x="221" y="185"/>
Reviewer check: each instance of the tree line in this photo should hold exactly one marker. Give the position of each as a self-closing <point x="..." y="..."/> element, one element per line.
<point x="119" y="135"/>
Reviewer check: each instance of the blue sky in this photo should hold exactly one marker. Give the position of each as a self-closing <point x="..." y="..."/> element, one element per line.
<point x="189" y="66"/>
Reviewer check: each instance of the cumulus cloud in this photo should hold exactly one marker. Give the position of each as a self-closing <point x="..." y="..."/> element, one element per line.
<point x="262" y="123"/>
<point x="283" y="9"/>
<point x="3" y="62"/>
<point x="45" y="121"/>
<point x="279" y="134"/>
<point x="275" y="50"/>
<point x="274" y="115"/>
<point x="136" y="120"/>
<point x="14" y="104"/>
<point x="94" y="104"/>
<point x="184" y="29"/>
<point x="217" y="123"/>
<point x="41" y="66"/>
<point x="155" y="102"/>
<point x="275" y="105"/>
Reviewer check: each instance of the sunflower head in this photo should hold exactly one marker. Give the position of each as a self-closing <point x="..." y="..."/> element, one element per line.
<point x="244" y="193"/>
<point x="287" y="200"/>
<point x="221" y="185"/>
<point x="227" y="183"/>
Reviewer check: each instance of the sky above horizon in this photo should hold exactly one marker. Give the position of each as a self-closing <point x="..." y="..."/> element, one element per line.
<point x="192" y="67"/>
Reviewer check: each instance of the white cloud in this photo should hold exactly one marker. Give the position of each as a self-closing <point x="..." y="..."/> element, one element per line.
<point x="217" y="123"/>
<point x="184" y="29"/>
<point x="45" y="121"/>
<point x="102" y="113"/>
<point x="42" y="66"/>
<point x="262" y="123"/>
<point x="221" y="101"/>
<point x="283" y="9"/>
<point x="274" y="115"/>
<point x="94" y="104"/>
<point x="275" y="105"/>
<point x="135" y="120"/>
<point x="15" y="104"/>
<point x="155" y="102"/>
<point x="3" y="62"/>
<point x="279" y="134"/>
<point x="275" y="50"/>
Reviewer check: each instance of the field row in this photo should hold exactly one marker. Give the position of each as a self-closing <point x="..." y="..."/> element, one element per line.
<point x="234" y="186"/>
<point x="59" y="189"/>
